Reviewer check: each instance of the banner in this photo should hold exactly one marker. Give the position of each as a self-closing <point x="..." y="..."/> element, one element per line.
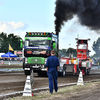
<point x="10" y="48"/>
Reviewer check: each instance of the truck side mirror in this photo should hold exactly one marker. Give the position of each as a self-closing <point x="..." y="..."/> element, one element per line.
<point x="54" y="45"/>
<point x="21" y="43"/>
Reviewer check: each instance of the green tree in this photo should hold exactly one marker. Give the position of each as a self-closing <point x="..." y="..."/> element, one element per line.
<point x="11" y="39"/>
<point x="3" y="42"/>
<point x="62" y="52"/>
<point x="96" y="46"/>
<point x="66" y="52"/>
<point x="14" y="41"/>
<point x="72" y="51"/>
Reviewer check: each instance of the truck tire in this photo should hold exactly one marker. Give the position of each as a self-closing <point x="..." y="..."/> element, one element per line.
<point x="44" y="74"/>
<point x="39" y="74"/>
<point x="24" y="63"/>
<point x="60" y="74"/>
<point x="88" y="71"/>
<point x="27" y="72"/>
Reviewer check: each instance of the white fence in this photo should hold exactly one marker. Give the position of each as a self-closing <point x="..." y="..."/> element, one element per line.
<point x="13" y="62"/>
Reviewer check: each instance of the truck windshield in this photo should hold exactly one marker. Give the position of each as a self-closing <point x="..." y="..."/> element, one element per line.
<point x="37" y="43"/>
<point x="82" y="46"/>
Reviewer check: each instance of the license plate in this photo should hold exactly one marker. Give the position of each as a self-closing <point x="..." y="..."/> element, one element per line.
<point x="36" y="52"/>
<point x="35" y="66"/>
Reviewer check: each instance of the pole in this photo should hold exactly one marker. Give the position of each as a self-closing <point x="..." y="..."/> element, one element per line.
<point x="8" y="54"/>
<point x="69" y="50"/>
<point x="77" y="35"/>
<point x="58" y="45"/>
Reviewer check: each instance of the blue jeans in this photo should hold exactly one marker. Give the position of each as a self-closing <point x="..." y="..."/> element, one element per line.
<point x="52" y="77"/>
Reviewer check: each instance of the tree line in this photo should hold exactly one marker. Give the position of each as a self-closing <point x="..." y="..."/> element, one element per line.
<point x="11" y="39"/>
<point x="96" y="48"/>
<point x="67" y="52"/>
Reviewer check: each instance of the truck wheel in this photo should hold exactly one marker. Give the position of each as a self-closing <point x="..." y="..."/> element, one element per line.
<point x="27" y="72"/>
<point x="88" y="71"/>
<point x="60" y="74"/>
<point x="39" y="74"/>
<point x="23" y="65"/>
<point x="43" y="74"/>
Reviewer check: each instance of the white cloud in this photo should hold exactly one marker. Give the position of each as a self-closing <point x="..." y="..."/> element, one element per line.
<point x="12" y="26"/>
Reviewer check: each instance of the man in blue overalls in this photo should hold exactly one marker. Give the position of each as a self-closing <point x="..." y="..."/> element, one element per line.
<point x="52" y="66"/>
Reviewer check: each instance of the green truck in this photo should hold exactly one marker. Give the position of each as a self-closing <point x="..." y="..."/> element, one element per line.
<point x="36" y="49"/>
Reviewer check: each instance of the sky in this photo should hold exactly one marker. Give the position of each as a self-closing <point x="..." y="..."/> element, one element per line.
<point x="21" y="16"/>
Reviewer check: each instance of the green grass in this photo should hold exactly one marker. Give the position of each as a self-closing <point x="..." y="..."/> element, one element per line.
<point x="45" y="95"/>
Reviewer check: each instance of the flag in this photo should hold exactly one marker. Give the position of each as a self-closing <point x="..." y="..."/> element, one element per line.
<point x="10" y="48"/>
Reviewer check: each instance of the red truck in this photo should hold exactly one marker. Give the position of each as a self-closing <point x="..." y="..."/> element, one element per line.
<point x="82" y="62"/>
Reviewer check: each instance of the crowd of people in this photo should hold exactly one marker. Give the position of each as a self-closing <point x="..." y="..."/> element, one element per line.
<point x="11" y="59"/>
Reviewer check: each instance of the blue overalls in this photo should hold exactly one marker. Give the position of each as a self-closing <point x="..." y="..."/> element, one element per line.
<point x="52" y="63"/>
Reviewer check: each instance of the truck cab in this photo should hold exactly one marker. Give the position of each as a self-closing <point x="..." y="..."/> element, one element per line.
<point x="83" y="55"/>
<point x="82" y="49"/>
<point x="37" y="48"/>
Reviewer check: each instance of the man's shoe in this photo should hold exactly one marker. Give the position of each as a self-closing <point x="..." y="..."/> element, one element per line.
<point x="55" y="91"/>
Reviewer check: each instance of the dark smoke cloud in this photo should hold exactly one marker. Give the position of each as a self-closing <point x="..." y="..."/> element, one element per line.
<point x="88" y="12"/>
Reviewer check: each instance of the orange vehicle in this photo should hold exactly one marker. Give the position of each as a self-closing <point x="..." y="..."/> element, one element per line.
<point x="82" y="62"/>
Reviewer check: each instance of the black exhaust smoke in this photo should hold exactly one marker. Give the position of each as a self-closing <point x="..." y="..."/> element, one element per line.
<point x="87" y="11"/>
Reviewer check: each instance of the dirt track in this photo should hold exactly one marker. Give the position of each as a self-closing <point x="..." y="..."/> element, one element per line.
<point x="11" y="66"/>
<point x="14" y="81"/>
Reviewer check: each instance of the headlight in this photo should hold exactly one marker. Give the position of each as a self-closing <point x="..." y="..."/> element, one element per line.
<point x="43" y="66"/>
<point x="29" y="52"/>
